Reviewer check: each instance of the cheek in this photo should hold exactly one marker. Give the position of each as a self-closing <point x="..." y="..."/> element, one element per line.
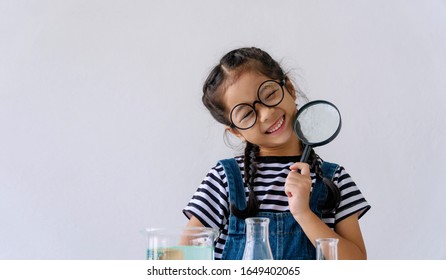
<point x="291" y="108"/>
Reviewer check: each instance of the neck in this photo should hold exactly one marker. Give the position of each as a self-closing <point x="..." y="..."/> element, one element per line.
<point x="292" y="148"/>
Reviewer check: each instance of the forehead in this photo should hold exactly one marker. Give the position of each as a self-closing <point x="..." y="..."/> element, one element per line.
<point x="243" y="89"/>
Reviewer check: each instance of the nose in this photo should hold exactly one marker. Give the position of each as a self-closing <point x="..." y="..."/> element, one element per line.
<point x="264" y="112"/>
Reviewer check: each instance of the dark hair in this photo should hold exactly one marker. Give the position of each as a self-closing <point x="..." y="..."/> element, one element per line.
<point x="231" y="66"/>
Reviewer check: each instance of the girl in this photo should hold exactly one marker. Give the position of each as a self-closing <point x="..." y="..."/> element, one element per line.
<point x="249" y="93"/>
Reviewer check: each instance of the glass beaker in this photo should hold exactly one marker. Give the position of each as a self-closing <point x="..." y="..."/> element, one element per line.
<point x="182" y="243"/>
<point x="327" y="249"/>
<point x="257" y="240"/>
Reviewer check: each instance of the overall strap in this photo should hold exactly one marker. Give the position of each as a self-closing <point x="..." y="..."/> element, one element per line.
<point x="235" y="242"/>
<point x="320" y="192"/>
<point x="235" y="183"/>
<point x="329" y="169"/>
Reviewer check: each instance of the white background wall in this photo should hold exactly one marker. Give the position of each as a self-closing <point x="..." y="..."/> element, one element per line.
<point x="102" y="130"/>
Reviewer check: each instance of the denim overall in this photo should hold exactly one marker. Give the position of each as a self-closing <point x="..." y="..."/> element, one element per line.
<point x="286" y="237"/>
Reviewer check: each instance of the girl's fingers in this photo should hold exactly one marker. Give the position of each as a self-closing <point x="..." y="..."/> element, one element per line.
<point x="303" y="167"/>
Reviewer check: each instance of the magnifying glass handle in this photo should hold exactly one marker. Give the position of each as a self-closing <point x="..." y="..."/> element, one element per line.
<point x="305" y="153"/>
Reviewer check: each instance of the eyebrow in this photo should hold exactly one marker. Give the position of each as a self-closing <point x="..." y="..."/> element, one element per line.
<point x="264" y="87"/>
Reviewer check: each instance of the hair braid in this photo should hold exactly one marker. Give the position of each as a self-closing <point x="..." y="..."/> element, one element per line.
<point x="333" y="195"/>
<point x="250" y="167"/>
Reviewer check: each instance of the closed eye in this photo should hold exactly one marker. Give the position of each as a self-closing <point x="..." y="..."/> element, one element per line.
<point x="247" y="115"/>
<point x="271" y="95"/>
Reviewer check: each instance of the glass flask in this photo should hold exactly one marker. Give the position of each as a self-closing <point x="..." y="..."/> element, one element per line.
<point x="257" y="240"/>
<point x="189" y="243"/>
<point x="327" y="249"/>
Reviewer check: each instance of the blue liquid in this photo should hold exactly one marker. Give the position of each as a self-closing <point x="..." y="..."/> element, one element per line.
<point x="181" y="253"/>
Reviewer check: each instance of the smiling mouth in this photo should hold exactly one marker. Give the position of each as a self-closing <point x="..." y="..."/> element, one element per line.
<point x="276" y="126"/>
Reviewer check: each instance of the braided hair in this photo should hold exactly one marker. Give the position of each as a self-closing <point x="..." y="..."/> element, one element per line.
<point x="252" y="207"/>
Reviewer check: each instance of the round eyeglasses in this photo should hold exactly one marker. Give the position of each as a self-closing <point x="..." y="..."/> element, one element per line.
<point x="244" y="116"/>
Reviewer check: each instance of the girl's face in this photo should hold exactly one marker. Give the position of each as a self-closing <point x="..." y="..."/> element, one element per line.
<point x="273" y="130"/>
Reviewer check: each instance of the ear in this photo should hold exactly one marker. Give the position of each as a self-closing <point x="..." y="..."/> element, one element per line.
<point x="234" y="131"/>
<point x="290" y="88"/>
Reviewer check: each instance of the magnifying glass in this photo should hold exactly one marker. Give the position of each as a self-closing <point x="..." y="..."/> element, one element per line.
<point x="317" y="123"/>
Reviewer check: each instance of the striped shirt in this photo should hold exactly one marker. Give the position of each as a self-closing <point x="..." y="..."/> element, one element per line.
<point x="210" y="203"/>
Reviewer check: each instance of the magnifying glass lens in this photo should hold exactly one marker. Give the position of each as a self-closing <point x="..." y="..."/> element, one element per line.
<point x="317" y="123"/>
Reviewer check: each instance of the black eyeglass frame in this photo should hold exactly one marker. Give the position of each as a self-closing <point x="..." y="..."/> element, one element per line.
<point x="281" y="83"/>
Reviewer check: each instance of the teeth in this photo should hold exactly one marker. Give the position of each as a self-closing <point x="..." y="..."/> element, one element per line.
<point x="276" y="127"/>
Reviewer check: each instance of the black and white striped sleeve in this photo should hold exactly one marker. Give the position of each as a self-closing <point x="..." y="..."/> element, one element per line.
<point x="352" y="200"/>
<point x="209" y="204"/>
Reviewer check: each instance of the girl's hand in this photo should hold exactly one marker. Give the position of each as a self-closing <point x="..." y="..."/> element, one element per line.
<point x="297" y="188"/>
